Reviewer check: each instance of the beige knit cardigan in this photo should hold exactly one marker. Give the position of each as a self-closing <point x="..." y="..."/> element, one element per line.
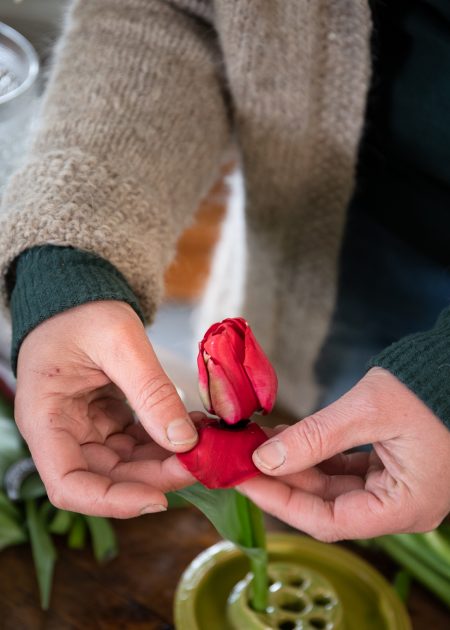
<point x="145" y="99"/>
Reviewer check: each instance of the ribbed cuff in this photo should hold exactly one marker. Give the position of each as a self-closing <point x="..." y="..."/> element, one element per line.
<point x="422" y="362"/>
<point x="51" y="279"/>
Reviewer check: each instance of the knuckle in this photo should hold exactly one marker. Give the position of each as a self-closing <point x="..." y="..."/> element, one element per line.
<point x="312" y="435"/>
<point x="56" y="496"/>
<point x="155" y="391"/>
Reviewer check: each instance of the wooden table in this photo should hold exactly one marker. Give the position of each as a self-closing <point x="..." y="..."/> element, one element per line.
<point x="136" y="590"/>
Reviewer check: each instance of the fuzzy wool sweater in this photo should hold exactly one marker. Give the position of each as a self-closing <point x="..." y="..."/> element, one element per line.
<point x="144" y="101"/>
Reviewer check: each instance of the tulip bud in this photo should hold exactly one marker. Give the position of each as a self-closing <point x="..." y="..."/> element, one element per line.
<point x="236" y="379"/>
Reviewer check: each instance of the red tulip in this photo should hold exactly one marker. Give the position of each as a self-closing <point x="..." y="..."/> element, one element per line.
<point x="222" y="457"/>
<point x="236" y="379"/>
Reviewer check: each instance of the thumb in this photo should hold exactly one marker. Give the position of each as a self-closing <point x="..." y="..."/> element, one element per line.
<point x="133" y="366"/>
<point x="336" y="428"/>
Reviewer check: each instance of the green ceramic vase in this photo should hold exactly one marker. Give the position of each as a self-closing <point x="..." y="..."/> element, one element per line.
<point x="312" y="586"/>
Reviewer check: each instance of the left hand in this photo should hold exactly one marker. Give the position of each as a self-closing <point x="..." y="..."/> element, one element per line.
<point x="402" y="485"/>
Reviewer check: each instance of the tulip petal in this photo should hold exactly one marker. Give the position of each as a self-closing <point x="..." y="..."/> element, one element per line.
<point x="222" y="458"/>
<point x="224" y="400"/>
<point x="260" y="372"/>
<point x="203" y="380"/>
<point x="227" y="349"/>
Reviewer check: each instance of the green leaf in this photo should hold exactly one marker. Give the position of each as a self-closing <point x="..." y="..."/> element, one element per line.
<point x="440" y="545"/>
<point x="32" y="488"/>
<point x="7" y="507"/>
<point x="61" y="522"/>
<point x="412" y="558"/>
<point x="12" y="531"/>
<point x="402" y="584"/>
<point x="44" y="553"/>
<point x="224" y="508"/>
<point x="77" y="534"/>
<point x="104" y="540"/>
<point x="238" y="520"/>
<point x="12" y="447"/>
<point x="6" y="408"/>
<point x="174" y="501"/>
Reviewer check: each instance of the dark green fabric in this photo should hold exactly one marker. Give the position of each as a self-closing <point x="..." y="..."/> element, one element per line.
<point x="422" y="362"/>
<point x="49" y="280"/>
<point x="403" y="183"/>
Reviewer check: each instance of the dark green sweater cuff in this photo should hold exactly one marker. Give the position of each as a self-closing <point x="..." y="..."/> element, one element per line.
<point x="50" y="279"/>
<point x="422" y="362"/>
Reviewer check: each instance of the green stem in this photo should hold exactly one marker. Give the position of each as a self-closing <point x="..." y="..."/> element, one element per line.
<point x="418" y="547"/>
<point x="432" y="580"/>
<point x="439" y="544"/>
<point x="258" y="558"/>
<point x="259" y="562"/>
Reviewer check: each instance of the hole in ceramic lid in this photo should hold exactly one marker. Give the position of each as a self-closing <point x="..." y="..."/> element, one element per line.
<point x="297" y="583"/>
<point x="286" y="625"/>
<point x="317" y="622"/>
<point x="294" y="604"/>
<point x="322" y="600"/>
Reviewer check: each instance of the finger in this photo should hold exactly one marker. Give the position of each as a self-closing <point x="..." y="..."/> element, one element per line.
<point x="346" y="464"/>
<point x="166" y="475"/>
<point x="128" y="449"/>
<point x="328" y="487"/>
<point x="130" y="362"/>
<point x="339" y="427"/>
<point x="357" y="514"/>
<point x="71" y="486"/>
<point x="109" y="416"/>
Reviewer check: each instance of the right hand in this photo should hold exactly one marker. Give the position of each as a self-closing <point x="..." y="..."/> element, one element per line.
<point x="75" y="373"/>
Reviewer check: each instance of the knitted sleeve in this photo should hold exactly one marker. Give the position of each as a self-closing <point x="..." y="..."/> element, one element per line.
<point x="132" y="132"/>
<point x="422" y="362"/>
<point x="48" y="280"/>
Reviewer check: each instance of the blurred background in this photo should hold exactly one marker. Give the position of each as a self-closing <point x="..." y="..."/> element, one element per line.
<point x="174" y="331"/>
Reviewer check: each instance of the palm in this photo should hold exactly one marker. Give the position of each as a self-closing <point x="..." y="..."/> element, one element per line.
<point x="97" y="447"/>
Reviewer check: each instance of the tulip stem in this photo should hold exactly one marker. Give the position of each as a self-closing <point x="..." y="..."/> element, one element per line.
<point x="258" y="560"/>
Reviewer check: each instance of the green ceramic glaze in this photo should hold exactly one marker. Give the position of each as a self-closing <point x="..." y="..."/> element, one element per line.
<point x="358" y="597"/>
<point x="298" y="598"/>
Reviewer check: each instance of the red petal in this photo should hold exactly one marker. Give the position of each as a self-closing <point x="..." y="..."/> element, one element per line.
<point x="224" y="400"/>
<point x="226" y="348"/>
<point x="222" y="458"/>
<point x="260" y="372"/>
<point x="203" y="382"/>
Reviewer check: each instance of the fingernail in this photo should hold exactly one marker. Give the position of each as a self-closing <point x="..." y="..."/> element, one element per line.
<point x="270" y="455"/>
<point x="151" y="509"/>
<point x="181" y="432"/>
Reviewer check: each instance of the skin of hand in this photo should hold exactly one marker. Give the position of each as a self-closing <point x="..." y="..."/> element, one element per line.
<point x="76" y="372"/>
<point x="402" y="485"/>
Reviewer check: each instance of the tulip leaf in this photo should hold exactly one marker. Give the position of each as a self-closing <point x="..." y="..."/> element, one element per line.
<point x="402" y="584"/>
<point x="7" y="507"/>
<point x="12" y="531"/>
<point x="11" y="445"/>
<point x="223" y="507"/>
<point x="238" y="520"/>
<point x="104" y="540"/>
<point x="44" y="554"/>
<point x="32" y="488"/>
<point x="6" y="408"/>
<point x="61" y="522"/>
<point x="77" y="533"/>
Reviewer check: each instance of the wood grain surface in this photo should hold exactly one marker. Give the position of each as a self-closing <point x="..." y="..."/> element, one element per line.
<point x="135" y="591"/>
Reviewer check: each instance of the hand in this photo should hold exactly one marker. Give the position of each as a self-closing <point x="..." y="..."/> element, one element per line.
<point x="403" y="485"/>
<point x="74" y="372"/>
